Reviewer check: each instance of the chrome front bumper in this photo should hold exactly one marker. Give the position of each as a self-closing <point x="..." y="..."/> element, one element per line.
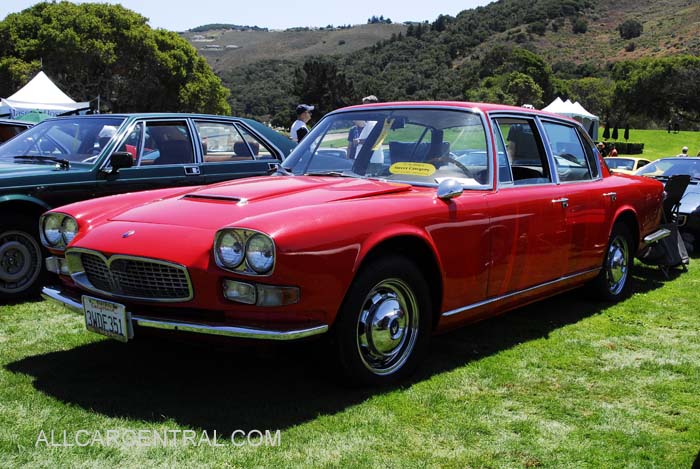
<point x="57" y="295"/>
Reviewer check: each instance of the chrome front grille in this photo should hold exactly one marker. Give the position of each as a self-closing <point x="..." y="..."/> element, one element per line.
<point x="134" y="277"/>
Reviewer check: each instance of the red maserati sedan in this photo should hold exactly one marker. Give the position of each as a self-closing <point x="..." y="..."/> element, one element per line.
<point x="390" y="222"/>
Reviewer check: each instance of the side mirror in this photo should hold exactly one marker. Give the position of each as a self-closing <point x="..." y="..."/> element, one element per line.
<point x="449" y="189"/>
<point x="119" y="160"/>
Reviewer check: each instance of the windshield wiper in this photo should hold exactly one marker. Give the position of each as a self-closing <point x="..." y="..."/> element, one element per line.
<point x="65" y="164"/>
<point x="279" y="169"/>
<point x="341" y="174"/>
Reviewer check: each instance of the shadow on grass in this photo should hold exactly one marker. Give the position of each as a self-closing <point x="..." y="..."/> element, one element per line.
<point x="241" y="386"/>
<point x="696" y="463"/>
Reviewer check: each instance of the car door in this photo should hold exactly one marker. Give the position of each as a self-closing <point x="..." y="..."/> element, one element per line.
<point x="527" y="218"/>
<point x="231" y="150"/>
<point x="586" y="202"/>
<point x="164" y="156"/>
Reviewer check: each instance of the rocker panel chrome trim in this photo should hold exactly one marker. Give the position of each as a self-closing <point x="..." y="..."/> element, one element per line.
<point x="519" y="292"/>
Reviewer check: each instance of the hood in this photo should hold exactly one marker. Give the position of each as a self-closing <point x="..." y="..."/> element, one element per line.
<point x="212" y="207"/>
<point x="10" y="169"/>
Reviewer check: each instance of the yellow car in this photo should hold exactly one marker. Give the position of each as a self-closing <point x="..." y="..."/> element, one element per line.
<point x="625" y="164"/>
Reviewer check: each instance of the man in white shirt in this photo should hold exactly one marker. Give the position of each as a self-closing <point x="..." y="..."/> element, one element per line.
<point x="378" y="154"/>
<point x="299" y="128"/>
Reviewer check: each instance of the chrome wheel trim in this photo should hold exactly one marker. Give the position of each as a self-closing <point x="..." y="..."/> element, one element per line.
<point x="20" y="261"/>
<point x="617" y="264"/>
<point x="387" y="326"/>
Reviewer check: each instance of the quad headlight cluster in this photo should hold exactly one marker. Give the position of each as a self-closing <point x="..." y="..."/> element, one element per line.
<point x="58" y="229"/>
<point x="244" y="251"/>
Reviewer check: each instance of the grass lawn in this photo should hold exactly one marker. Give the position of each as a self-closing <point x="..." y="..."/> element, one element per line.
<point x="563" y="383"/>
<point x="660" y="143"/>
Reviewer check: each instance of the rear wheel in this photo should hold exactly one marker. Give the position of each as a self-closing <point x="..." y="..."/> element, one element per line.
<point x="21" y="259"/>
<point x="383" y="326"/>
<point x="612" y="283"/>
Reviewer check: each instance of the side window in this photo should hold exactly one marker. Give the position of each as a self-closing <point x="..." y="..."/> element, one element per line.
<point x="526" y="156"/>
<point x="222" y="142"/>
<point x="256" y="146"/>
<point x="133" y="143"/>
<point x="166" y="143"/>
<point x="570" y="157"/>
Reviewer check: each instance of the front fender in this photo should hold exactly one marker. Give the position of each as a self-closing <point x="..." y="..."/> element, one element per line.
<point x="24" y="198"/>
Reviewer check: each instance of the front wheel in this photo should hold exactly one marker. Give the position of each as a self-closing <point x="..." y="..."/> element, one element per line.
<point x="612" y="283"/>
<point x="20" y="260"/>
<point x="383" y="326"/>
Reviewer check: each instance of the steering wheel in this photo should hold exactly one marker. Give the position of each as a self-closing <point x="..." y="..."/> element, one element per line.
<point x="452" y="158"/>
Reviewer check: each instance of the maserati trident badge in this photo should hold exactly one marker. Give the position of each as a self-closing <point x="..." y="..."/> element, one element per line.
<point x="128" y="233"/>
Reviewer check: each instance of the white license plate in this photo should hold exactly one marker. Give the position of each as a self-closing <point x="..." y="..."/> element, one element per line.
<point x="106" y="318"/>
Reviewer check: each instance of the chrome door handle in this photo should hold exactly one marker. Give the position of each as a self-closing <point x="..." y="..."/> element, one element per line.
<point x="563" y="201"/>
<point x="612" y="195"/>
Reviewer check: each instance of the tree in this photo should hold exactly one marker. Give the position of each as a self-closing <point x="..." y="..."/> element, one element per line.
<point x="606" y="131"/>
<point x="627" y="132"/>
<point x="630" y="29"/>
<point x="93" y="49"/>
<point x="615" y="133"/>
<point x="659" y="89"/>
<point x="320" y="83"/>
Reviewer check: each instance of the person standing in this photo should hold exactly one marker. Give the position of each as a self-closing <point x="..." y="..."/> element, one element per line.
<point x="684" y="152"/>
<point x="377" y="154"/>
<point x="299" y="128"/>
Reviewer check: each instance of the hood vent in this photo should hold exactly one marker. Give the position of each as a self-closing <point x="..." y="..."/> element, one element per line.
<point x="218" y="198"/>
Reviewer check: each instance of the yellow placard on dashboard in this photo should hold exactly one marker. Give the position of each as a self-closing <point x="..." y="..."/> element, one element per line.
<point x="413" y="169"/>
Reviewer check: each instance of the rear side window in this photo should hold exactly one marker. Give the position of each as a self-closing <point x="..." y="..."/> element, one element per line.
<point x="571" y="160"/>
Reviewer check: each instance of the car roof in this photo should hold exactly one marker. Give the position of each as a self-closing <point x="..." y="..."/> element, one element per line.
<point x="485" y="107"/>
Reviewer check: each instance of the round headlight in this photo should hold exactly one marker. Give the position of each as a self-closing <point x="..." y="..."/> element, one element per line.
<point x="69" y="228"/>
<point x="52" y="229"/>
<point x="260" y="253"/>
<point x="231" y="249"/>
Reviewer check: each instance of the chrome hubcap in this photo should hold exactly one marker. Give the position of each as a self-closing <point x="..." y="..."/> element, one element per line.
<point x="20" y="261"/>
<point x="616" y="264"/>
<point x="387" y="326"/>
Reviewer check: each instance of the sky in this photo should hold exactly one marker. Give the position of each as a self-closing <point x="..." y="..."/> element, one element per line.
<point x="181" y="15"/>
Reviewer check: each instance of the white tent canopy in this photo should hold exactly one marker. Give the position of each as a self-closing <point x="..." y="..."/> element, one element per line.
<point x="42" y="95"/>
<point x="576" y="111"/>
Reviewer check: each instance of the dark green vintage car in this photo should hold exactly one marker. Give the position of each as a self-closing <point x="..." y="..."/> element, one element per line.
<point x="68" y="159"/>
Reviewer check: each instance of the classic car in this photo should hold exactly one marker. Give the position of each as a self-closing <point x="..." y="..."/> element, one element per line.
<point x="625" y="164"/>
<point x="11" y="127"/>
<point x="446" y="213"/>
<point x="689" y="210"/>
<point x="67" y="159"/>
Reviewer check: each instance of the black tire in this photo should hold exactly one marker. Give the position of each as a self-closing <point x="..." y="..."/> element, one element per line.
<point x="613" y="281"/>
<point x="384" y="325"/>
<point x="21" y="259"/>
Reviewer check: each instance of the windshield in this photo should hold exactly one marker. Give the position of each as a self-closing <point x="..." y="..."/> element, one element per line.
<point x="73" y="139"/>
<point x="668" y="167"/>
<point x="620" y="163"/>
<point x="421" y="147"/>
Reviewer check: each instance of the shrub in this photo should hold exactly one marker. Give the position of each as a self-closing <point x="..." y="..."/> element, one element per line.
<point x="630" y="29"/>
<point x="579" y="26"/>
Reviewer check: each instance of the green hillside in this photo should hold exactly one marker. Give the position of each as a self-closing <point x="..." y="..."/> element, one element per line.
<point x="509" y="51"/>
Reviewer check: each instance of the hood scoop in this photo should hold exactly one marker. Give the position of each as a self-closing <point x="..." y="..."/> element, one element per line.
<point x="216" y="198"/>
